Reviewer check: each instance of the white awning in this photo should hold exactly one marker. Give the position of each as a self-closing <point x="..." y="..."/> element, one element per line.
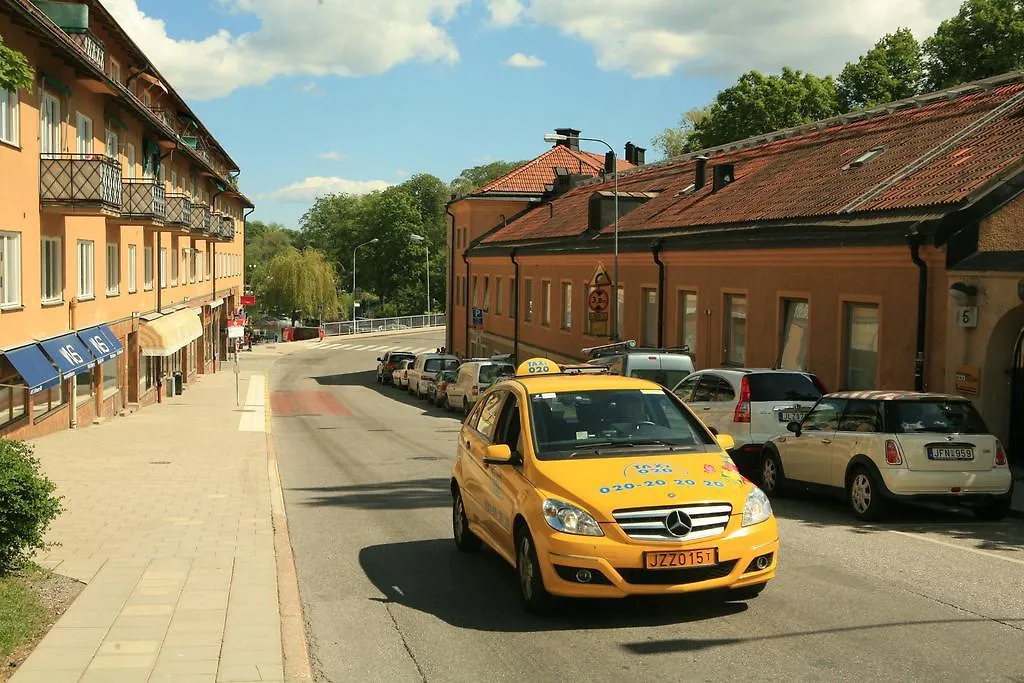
<point x="170" y="333"/>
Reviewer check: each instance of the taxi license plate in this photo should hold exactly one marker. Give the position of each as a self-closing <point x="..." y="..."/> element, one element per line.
<point x="677" y="559"/>
<point x="951" y="454"/>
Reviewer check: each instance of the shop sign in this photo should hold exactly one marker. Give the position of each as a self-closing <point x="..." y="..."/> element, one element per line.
<point x="968" y="379"/>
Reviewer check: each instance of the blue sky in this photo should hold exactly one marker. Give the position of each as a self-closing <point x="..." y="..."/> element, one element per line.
<point x="313" y="96"/>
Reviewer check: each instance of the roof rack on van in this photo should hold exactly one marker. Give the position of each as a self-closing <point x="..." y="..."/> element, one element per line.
<point x="584" y="370"/>
<point x="595" y="351"/>
<point x="631" y="347"/>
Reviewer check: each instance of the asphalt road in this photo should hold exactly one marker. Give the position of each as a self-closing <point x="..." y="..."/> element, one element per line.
<point x="935" y="596"/>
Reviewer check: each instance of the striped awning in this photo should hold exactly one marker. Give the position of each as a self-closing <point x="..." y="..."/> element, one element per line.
<point x="170" y="333"/>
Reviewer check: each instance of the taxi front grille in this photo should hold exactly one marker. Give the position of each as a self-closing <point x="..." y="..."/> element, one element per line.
<point x="675" y="577"/>
<point x="684" y="523"/>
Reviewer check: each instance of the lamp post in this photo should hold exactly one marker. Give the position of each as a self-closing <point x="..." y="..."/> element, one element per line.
<point x="557" y="137"/>
<point x="420" y="238"/>
<point x="373" y="241"/>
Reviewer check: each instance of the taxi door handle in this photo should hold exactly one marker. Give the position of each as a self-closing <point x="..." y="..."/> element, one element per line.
<point x="826" y="441"/>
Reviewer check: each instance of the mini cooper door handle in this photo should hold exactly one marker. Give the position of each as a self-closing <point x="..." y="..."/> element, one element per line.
<point x="826" y="441"/>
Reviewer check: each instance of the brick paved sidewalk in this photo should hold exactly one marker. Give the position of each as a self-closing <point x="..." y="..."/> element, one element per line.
<point x="169" y="523"/>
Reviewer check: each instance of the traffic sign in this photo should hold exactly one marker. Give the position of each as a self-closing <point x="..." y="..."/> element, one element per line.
<point x="478" y="317"/>
<point x="600" y="277"/>
<point x="598" y="300"/>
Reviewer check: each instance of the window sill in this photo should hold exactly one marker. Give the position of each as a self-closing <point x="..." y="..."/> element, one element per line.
<point x="51" y="303"/>
<point x="111" y="294"/>
<point x="12" y="308"/>
<point x="148" y="289"/>
<point x="84" y="297"/>
<point x="133" y="291"/>
<point x="10" y="144"/>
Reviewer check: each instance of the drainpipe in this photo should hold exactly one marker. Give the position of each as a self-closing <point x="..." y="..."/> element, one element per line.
<point x="158" y="285"/>
<point x="515" y="307"/>
<point x="465" y="259"/>
<point x="656" y="252"/>
<point x="449" y="336"/>
<point x="915" y="240"/>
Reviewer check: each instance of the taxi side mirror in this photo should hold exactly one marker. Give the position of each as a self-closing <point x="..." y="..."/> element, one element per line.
<point x="498" y="454"/>
<point x="794" y="427"/>
<point x="726" y="442"/>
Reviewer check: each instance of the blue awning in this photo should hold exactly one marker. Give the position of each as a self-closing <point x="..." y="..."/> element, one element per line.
<point x="69" y="354"/>
<point x="101" y="342"/>
<point x="35" y="368"/>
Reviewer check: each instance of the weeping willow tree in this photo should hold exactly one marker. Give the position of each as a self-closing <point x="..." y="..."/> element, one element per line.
<point x="302" y="284"/>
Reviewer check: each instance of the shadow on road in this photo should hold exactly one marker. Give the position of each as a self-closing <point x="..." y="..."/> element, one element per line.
<point x="368" y="379"/>
<point x="479" y="591"/>
<point x="413" y="494"/>
<point x="817" y="510"/>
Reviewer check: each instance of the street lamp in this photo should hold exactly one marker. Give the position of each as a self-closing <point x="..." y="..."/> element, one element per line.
<point x="354" y="304"/>
<point x="420" y="238"/>
<point x="558" y="137"/>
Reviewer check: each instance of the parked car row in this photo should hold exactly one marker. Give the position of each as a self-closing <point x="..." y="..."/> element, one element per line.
<point x="443" y="379"/>
<point x="872" y="447"/>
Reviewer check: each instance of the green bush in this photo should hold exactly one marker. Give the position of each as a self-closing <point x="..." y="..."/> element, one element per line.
<point x="27" y="504"/>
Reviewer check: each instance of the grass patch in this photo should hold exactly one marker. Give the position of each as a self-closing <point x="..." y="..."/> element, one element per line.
<point x="23" y="615"/>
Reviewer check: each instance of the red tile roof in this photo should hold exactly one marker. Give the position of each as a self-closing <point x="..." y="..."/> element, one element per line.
<point x="934" y="154"/>
<point x="534" y="175"/>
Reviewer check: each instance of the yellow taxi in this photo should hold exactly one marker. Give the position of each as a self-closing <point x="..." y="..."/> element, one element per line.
<point x="598" y="485"/>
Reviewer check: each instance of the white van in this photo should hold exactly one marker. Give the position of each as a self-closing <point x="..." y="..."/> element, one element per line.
<point x="474" y="378"/>
<point x="667" y="367"/>
<point x="426" y="367"/>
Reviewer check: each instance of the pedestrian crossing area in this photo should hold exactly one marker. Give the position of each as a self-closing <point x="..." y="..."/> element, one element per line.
<point x="337" y="346"/>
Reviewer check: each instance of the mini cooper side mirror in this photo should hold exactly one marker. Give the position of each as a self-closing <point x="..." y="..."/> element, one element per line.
<point x="794" y="427"/>
<point x="498" y="454"/>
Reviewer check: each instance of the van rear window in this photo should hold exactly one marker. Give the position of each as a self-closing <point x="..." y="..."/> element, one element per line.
<point x="666" y="378"/>
<point x="782" y="386"/>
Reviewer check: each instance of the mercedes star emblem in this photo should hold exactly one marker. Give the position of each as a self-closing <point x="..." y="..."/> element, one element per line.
<point x="678" y="523"/>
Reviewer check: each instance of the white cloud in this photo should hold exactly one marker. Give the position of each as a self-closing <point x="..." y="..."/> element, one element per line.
<point x="312" y="89"/>
<point x="296" y="38"/>
<point x="505" y="12"/>
<point x="401" y="173"/>
<point x="315" y="186"/>
<point x="647" y="38"/>
<point x="332" y="155"/>
<point x="521" y="61"/>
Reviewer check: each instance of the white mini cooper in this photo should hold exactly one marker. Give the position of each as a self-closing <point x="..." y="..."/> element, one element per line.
<point x="882" y="446"/>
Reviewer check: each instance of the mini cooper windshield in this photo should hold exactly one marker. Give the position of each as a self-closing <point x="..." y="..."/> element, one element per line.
<point x="571" y="424"/>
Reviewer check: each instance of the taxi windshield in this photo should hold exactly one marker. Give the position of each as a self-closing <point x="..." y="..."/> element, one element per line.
<point x="609" y="422"/>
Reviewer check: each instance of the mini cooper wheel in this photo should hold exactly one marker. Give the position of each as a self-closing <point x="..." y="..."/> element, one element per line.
<point x="465" y="540"/>
<point x="534" y="595"/>
<point x="773" y="481"/>
<point x="864" y="495"/>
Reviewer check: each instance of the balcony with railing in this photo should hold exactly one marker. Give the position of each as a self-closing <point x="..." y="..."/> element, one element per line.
<point x="91" y="45"/>
<point x="227" y="228"/>
<point x="80" y="181"/>
<point x="144" y="199"/>
<point x="201" y="219"/>
<point x="217" y="225"/>
<point x="179" y="210"/>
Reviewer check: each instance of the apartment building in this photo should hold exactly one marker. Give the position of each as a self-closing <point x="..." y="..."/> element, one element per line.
<point x="882" y="249"/>
<point x="121" y="227"/>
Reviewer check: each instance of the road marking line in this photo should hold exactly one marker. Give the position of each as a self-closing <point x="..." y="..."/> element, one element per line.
<point x="958" y="547"/>
<point x="254" y="411"/>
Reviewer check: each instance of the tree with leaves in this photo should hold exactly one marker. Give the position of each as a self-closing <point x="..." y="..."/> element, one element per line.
<point x="892" y="70"/>
<point x="985" y="38"/>
<point x="760" y="104"/>
<point x="15" y="72"/>
<point x="478" y="176"/>
<point x="673" y="142"/>
<point x="300" y="284"/>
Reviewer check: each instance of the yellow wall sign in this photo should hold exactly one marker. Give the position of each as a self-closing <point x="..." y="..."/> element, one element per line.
<point x="968" y="379"/>
<point x="538" y="366"/>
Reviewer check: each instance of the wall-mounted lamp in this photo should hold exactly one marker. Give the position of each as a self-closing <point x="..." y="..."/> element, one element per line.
<point x="962" y="293"/>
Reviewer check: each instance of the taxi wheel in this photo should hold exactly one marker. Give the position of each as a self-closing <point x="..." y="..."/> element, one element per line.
<point x="864" y="495"/>
<point x="747" y="592"/>
<point x="535" y="596"/>
<point x="773" y="481"/>
<point x="465" y="540"/>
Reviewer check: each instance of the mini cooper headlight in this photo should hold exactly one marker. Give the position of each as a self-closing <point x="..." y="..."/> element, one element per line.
<point x="758" y="509"/>
<point x="562" y="516"/>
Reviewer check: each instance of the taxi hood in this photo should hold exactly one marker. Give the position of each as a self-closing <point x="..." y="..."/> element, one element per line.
<point x="602" y="485"/>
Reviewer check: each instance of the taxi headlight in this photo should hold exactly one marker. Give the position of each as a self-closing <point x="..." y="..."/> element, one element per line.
<point x="567" y="518"/>
<point x="758" y="509"/>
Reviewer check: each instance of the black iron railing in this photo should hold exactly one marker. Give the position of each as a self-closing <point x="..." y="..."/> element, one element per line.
<point x="144" y="198"/>
<point x="201" y="218"/>
<point x="179" y="210"/>
<point x="91" y="179"/>
<point x="91" y="45"/>
<point x="227" y="228"/>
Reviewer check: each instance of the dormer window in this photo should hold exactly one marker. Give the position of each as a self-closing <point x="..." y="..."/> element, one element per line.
<point x="864" y="158"/>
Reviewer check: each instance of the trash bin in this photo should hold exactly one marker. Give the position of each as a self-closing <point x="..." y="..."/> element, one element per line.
<point x="177" y="382"/>
<point x="170" y="387"/>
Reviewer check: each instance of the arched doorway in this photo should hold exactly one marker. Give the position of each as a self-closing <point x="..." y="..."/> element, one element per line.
<point x="1002" y="383"/>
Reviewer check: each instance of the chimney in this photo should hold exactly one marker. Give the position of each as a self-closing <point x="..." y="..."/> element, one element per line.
<point x="609" y="162"/>
<point x="635" y="155"/>
<point x="723" y="175"/>
<point x="573" y="142"/>
<point x="701" y="173"/>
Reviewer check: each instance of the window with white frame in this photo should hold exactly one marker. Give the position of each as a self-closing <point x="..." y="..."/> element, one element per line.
<point x="115" y="70"/>
<point x="174" y="180"/>
<point x="191" y="266"/>
<point x="50" y="270"/>
<point x="163" y="267"/>
<point x="129" y="160"/>
<point x="86" y="269"/>
<point x="174" y="264"/>
<point x="9" y="118"/>
<point x="49" y="124"/>
<point x="83" y="133"/>
<point x="133" y="269"/>
<point x="147" y="268"/>
<point x="10" y="269"/>
<point x="209" y="264"/>
<point x="113" y="268"/>
<point x="200" y="257"/>
<point x="111" y="141"/>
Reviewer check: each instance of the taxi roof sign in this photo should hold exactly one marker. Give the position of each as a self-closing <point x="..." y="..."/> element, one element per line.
<point x="538" y="366"/>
